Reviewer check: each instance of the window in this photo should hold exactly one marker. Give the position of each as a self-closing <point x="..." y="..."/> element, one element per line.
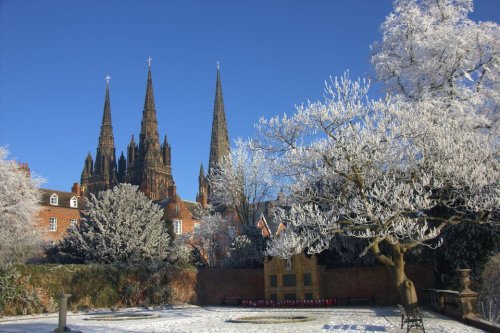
<point x="73" y="222"/>
<point x="231" y="231"/>
<point x="73" y="203"/>
<point x="289" y="297"/>
<point x="53" y="224"/>
<point x="308" y="296"/>
<point x="54" y="200"/>
<point x="273" y="297"/>
<point x="176" y="208"/>
<point x="307" y="279"/>
<point x="289" y="280"/>
<point x="177" y="227"/>
<point x="273" y="280"/>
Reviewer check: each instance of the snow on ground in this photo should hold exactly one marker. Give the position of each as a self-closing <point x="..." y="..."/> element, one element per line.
<point x="216" y="319"/>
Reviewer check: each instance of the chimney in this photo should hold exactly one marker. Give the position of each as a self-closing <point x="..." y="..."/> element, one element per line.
<point x="76" y="189"/>
<point x="172" y="191"/>
<point x="24" y="167"/>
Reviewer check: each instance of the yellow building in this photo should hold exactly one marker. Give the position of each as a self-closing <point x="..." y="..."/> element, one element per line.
<point x="295" y="278"/>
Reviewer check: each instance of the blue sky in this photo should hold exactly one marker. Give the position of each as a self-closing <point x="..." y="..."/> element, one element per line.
<point x="274" y="54"/>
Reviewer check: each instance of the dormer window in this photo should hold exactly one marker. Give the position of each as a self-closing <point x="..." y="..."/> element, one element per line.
<point x="73" y="203"/>
<point x="54" y="200"/>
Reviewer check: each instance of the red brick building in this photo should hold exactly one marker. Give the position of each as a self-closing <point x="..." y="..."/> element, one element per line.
<point x="184" y="215"/>
<point x="59" y="210"/>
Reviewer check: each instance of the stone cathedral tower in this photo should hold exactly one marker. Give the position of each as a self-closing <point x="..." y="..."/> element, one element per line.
<point x="101" y="174"/>
<point x="219" y="143"/>
<point x="147" y="165"/>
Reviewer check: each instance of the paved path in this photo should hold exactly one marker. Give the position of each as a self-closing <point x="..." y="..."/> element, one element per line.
<point x="216" y="319"/>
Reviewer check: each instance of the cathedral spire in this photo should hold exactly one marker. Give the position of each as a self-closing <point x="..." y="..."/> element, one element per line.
<point x="202" y="195"/>
<point x="106" y="115"/>
<point x="105" y="161"/>
<point x="202" y="171"/>
<point x="219" y="143"/>
<point x="149" y="138"/>
<point x="152" y="168"/>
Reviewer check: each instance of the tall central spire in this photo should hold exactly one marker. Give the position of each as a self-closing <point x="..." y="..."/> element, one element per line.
<point x="219" y="143"/>
<point x="106" y="136"/>
<point x="149" y="138"/>
<point x="151" y="168"/>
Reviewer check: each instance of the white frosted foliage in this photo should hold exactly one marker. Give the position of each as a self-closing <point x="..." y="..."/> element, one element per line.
<point x="119" y="225"/>
<point x="19" y="204"/>
<point x="242" y="181"/>
<point x="430" y="48"/>
<point x="379" y="170"/>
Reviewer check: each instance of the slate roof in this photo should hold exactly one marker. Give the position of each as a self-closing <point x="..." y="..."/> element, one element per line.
<point x="64" y="198"/>
<point x="193" y="207"/>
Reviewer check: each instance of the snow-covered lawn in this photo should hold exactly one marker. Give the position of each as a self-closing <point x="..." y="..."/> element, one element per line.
<point x="215" y="319"/>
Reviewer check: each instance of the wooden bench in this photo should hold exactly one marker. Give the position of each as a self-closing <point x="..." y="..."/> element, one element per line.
<point x="411" y="317"/>
<point x="361" y="301"/>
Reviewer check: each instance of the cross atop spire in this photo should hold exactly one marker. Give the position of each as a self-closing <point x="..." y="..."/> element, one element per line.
<point x="149" y="61"/>
<point x="218" y="65"/>
<point x="107" y="78"/>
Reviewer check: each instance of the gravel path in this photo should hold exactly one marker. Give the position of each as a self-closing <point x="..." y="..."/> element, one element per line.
<point x="217" y="319"/>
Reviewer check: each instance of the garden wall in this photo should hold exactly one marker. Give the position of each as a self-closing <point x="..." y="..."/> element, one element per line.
<point x="95" y="286"/>
<point x="215" y="284"/>
<point x="374" y="281"/>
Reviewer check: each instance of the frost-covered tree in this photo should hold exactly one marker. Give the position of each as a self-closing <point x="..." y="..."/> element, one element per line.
<point x="394" y="172"/>
<point x="19" y="204"/>
<point x="430" y="48"/>
<point x="247" y="250"/>
<point x="119" y="225"/>
<point x="207" y="236"/>
<point x="242" y="181"/>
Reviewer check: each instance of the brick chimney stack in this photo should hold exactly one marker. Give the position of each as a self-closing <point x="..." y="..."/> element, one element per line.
<point x="25" y="167"/>
<point x="76" y="189"/>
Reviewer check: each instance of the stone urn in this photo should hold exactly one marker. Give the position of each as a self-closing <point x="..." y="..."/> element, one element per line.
<point x="464" y="279"/>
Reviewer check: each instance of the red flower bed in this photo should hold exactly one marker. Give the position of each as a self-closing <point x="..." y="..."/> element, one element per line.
<point x="296" y="303"/>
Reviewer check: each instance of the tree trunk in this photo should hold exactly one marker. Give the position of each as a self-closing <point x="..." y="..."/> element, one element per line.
<point x="405" y="286"/>
<point x="396" y="267"/>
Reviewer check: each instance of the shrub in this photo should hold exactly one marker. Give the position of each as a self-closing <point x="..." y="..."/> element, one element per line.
<point x="16" y="295"/>
<point x="489" y="298"/>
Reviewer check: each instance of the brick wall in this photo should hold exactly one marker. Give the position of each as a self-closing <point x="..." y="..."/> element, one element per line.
<point x="217" y="283"/>
<point x="375" y="281"/>
<point x="213" y="284"/>
<point x="183" y="286"/>
<point x="63" y="215"/>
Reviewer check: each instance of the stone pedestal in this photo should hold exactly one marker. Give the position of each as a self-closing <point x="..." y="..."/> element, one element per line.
<point x="63" y="310"/>
<point x="468" y="299"/>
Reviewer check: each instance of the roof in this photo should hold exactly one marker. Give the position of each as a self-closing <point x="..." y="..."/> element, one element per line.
<point x="63" y="198"/>
<point x="194" y="207"/>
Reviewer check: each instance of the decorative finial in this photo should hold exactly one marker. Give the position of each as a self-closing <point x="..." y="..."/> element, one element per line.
<point x="149" y="61"/>
<point x="107" y="78"/>
<point x="218" y="65"/>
